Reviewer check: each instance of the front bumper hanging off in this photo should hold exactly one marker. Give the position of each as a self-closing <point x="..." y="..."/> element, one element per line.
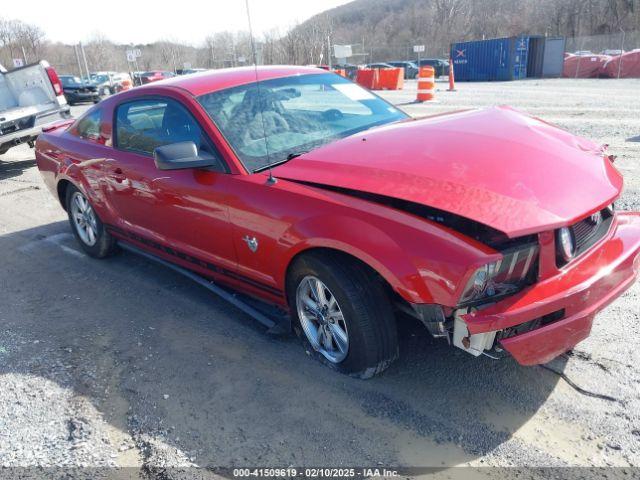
<point x="565" y="303"/>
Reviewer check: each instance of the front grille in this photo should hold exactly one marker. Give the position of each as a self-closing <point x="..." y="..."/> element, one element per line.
<point x="587" y="232"/>
<point x="531" y="325"/>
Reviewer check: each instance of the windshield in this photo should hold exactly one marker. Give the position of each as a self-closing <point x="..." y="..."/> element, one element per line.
<point x="295" y="114"/>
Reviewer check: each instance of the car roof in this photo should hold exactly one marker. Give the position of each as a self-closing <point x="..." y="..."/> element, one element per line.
<point x="213" y="80"/>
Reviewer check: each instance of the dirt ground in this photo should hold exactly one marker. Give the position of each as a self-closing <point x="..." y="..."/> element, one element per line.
<point x="124" y="363"/>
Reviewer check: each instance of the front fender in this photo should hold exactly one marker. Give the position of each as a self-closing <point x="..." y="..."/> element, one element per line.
<point x="363" y="241"/>
<point x="424" y="262"/>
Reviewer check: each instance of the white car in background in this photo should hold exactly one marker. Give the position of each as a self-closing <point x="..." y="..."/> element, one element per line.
<point x="109" y="83"/>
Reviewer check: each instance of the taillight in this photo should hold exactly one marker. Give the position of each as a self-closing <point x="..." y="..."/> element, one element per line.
<point x="55" y="81"/>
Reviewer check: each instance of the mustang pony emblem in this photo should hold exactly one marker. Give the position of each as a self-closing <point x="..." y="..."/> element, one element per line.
<point x="252" y="243"/>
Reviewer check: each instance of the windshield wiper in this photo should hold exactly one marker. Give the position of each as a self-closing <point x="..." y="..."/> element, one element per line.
<point x="293" y="155"/>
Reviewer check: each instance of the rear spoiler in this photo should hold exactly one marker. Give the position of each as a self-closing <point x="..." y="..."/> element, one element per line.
<point x="56" y="125"/>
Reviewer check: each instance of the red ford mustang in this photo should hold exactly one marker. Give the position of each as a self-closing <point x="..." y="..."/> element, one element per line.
<point x="308" y="193"/>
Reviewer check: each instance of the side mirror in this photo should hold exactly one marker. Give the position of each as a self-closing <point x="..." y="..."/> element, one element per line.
<point x="181" y="155"/>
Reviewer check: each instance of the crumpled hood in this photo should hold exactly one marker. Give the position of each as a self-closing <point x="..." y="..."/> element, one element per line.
<point x="496" y="166"/>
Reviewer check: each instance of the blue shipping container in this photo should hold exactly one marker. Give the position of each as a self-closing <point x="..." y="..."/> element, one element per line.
<point x="494" y="59"/>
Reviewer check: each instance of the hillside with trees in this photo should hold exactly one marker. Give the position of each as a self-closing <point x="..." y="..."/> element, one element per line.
<point x="386" y="28"/>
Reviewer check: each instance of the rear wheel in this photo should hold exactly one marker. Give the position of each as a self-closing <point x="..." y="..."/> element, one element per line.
<point x="342" y="314"/>
<point x="86" y="226"/>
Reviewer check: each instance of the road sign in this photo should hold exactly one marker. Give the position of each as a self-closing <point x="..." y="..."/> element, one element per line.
<point x="18" y="62"/>
<point x="342" y="51"/>
<point x="131" y="56"/>
<point x="418" y="48"/>
<point x="138" y="52"/>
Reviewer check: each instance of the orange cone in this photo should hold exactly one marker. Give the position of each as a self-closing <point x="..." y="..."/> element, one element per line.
<point x="426" y="84"/>
<point x="452" y="80"/>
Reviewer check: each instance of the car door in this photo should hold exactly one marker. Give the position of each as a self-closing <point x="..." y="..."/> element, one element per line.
<point x="179" y="212"/>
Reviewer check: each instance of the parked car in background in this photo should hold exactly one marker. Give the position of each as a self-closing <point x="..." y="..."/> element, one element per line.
<point x="31" y="98"/>
<point x="79" y="90"/>
<point x="378" y="65"/>
<point x="310" y="193"/>
<point x="135" y="77"/>
<point x="350" y="69"/>
<point x="410" y="68"/>
<point x="109" y="83"/>
<point x="155" y="75"/>
<point x="189" y="71"/>
<point x="440" y="65"/>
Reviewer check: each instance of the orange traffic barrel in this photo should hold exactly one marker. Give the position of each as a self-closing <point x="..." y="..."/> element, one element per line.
<point x="426" y="84"/>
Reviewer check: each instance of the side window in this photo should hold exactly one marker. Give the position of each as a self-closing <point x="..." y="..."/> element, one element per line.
<point x="139" y="125"/>
<point x="143" y="125"/>
<point x="89" y="126"/>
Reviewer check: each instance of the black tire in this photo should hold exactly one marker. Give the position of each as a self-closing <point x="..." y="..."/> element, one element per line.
<point x="373" y="340"/>
<point x="105" y="244"/>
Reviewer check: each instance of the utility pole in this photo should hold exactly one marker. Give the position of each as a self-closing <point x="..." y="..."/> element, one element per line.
<point x="84" y="56"/>
<point x="75" y="48"/>
<point x="329" y="51"/>
<point x="24" y="55"/>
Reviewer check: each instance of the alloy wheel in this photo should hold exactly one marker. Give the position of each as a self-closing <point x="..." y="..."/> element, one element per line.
<point x="84" y="219"/>
<point x="322" y="319"/>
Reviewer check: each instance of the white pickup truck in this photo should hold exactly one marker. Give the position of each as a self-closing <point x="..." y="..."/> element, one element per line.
<point x="31" y="98"/>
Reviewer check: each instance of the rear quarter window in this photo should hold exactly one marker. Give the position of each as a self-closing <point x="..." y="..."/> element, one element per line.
<point x="88" y="127"/>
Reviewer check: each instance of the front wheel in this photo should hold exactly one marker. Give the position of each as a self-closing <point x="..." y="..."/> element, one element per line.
<point x="342" y="313"/>
<point x="87" y="227"/>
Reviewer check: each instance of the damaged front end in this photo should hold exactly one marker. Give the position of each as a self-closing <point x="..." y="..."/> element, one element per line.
<point x="537" y="304"/>
<point x="516" y="270"/>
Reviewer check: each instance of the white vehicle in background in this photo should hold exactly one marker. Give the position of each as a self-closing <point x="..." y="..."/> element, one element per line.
<point x="31" y="98"/>
<point x="109" y="83"/>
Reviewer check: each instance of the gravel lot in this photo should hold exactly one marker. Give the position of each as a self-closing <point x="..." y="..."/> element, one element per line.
<point x="125" y="363"/>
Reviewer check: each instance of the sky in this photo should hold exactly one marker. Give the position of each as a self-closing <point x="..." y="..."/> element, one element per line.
<point x="145" y="21"/>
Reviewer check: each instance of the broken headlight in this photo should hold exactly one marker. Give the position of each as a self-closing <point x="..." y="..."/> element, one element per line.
<point x="511" y="273"/>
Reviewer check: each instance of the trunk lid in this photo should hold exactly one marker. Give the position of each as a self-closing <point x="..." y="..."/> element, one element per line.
<point x="496" y="166"/>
